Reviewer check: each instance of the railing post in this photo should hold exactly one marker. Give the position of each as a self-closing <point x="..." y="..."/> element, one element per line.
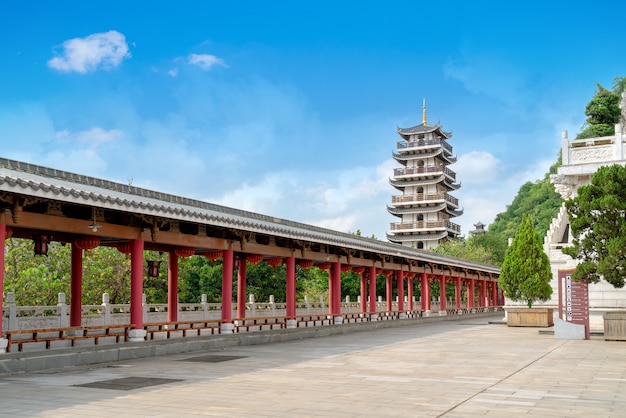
<point x="252" y="306"/>
<point x="106" y="310"/>
<point x="12" y="308"/>
<point x="307" y="305"/>
<point x="144" y="308"/>
<point x="204" y="306"/>
<point x="63" y="320"/>
<point x="272" y="305"/>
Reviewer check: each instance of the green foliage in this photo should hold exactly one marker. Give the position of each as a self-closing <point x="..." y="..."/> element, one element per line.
<point x="197" y="276"/>
<point x="619" y="85"/>
<point x="602" y="112"/>
<point x="479" y="248"/>
<point x="537" y="199"/>
<point x="525" y="274"/>
<point x="598" y="224"/>
<point x="37" y="280"/>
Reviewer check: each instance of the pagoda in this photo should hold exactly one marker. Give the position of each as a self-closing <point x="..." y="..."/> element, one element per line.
<point x="425" y="206"/>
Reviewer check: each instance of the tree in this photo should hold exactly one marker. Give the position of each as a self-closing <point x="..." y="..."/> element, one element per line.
<point x="470" y="249"/>
<point x="598" y="224"/>
<point x="525" y="274"/>
<point x="602" y="112"/>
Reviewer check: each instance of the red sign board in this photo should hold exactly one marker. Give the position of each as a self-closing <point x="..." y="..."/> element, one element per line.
<point x="575" y="294"/>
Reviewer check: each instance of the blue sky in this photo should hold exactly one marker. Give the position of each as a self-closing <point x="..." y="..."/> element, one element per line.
<point x="290" y="108"/>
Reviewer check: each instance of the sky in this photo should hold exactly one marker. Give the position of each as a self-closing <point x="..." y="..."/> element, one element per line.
<point x="290" y="108"/>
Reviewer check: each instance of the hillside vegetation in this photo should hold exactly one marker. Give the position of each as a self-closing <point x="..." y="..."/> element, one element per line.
<point x="538" y="198"/>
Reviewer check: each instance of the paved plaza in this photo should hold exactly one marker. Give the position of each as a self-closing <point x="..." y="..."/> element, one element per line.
<point x="461" y="368"/>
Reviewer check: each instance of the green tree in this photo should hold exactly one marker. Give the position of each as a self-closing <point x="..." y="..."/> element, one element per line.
<point x="602" y="112"/>
<point x="598" y="224"/>
<point x="471" y="249"/>
<point x="525" y="274"/>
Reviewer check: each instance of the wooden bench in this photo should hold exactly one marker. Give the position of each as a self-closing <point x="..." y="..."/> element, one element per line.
<point x="72" y="334"/>
<point x="356" y="317"/>
<point x="183" y="327"/>
<point x="269" y="322"/>
<point x="322" y="319"/>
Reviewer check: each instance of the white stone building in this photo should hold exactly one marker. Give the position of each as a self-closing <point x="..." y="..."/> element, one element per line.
<point x="425" y="207"/>
<point x="581" y="159"/>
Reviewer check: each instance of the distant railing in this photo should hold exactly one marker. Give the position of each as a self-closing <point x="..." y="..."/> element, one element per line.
<point x="424" y="197"/>
<point x="424" y="143"/>
<point x="405" y="171"/>
<point x="48" y="317"/>
<point x="425" y="225"/>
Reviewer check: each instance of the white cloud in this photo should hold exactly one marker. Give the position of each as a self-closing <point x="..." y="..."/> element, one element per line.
<point x="94" y="136"/>
<point x="173" y="72"/>
<point x="205" y="61"/>
<point x="476" y="167"/>
<point x="104" y="50"/>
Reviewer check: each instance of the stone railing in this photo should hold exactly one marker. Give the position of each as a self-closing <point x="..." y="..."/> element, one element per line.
<point x="34" y="317"/>
<point x="593" y="150"/>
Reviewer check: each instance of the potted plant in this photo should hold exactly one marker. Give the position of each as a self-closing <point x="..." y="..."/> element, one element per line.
<point x="525" y="277"/>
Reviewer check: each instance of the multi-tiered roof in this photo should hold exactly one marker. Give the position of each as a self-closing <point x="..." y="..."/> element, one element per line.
<point x="425" y="206"/>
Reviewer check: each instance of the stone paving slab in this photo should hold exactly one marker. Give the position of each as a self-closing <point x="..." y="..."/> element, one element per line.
<point x="446" y="369"/>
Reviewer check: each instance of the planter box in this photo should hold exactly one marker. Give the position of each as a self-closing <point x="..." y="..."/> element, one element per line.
<point x="615" y="326"/>
<point x="529" y="317"/>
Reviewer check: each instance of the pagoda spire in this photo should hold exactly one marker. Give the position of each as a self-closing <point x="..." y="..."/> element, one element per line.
<point x="424" y="112"/>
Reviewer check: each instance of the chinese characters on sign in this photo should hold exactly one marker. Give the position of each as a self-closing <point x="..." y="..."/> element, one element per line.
<point x="576" y="300"/>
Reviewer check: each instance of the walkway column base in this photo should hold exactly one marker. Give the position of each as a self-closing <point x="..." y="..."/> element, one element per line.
<point x="75" y="333"/>
<point x="227" y="328"/>
<point x="3" y="345"/>
<point x="373" y="317"/>
<point x="402" y="315"/>
<point x="292" y="323"/>
<point x="338" y="320"/>
<point x="135" y="335"/>
<point x="443" y="313"/>
<point x="427" y="313"/>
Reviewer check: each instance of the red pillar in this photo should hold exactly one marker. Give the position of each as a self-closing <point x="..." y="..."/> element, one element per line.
<point x="241" y="285"/>
<point x="172" y="287"/>
<point x="400" y="274"/>
<point x="76" y="287"/>
<point x="290" y="264"/>
<point x="372" y="277"/>
<point x="457" y="293"/>
<point x="494" y="294"/>
<point x="136" y="283"/>
<point x="336" y="271"/>
<point x="389" y="292"/>
<point x="227" y="286"/>
<point x="410" y="291"/>
<point x="442" y="293"/>
<point x="425" y="292"/>
<point x="485" y="293"/>
<point x="470" y="294"/>
<point x="3" y="235"/>
<point x="331" y="291"/>
<point x="363" y="292"/>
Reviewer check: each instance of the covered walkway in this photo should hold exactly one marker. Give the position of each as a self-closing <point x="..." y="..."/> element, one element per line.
<point x="45" y="205"/>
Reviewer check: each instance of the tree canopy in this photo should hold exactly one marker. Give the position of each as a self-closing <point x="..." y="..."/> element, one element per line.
<point x="525" y="274"/>
<point x="598" y="224"/>
<point x="602" y="113"/>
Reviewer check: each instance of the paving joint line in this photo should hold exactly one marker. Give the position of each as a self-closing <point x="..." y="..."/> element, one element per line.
<point x="501" y="380"/>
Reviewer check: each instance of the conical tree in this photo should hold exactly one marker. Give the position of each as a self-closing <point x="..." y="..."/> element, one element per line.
<point x="525" y="274"/>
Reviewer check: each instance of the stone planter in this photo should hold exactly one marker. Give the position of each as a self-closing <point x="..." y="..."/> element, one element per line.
<point x="615" y="326"/>
<point x="529" y="317"/>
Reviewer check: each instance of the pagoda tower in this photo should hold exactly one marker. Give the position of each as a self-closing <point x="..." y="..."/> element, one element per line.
<point x="425" y="206"/>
